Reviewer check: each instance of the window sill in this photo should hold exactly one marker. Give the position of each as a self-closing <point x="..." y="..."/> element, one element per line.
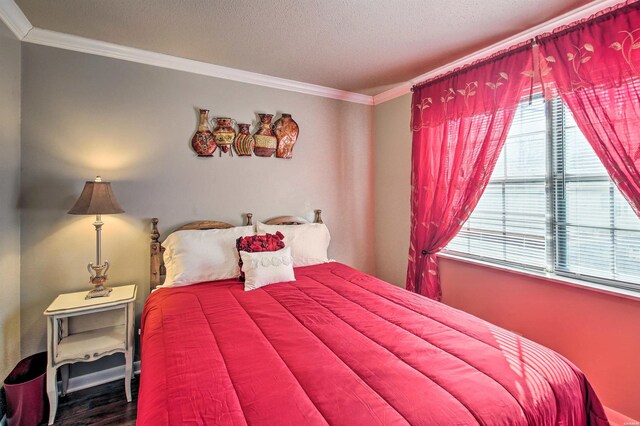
<point x="585" y="285"/>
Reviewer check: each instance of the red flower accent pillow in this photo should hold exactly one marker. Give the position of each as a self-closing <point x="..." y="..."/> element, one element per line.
<point x="258" y="243"/>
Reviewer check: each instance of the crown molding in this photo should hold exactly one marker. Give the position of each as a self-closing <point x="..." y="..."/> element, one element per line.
<point x="394" y="92"/>
<point x="547" y="26"/>
<point x="13" y="17"/>
<point x="125" y="53"/>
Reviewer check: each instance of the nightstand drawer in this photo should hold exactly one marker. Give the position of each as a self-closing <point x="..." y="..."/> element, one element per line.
<point x="90" y="345"/>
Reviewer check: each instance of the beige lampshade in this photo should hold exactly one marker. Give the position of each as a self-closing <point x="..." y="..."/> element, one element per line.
<point x="96" y="198"/>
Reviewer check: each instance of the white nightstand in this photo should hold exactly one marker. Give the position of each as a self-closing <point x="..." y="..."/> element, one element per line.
<point x="65" y="348"/>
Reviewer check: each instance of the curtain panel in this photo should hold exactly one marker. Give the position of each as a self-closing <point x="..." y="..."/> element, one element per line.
<point x="594" y="66"/>
<point x="459" y="123"/>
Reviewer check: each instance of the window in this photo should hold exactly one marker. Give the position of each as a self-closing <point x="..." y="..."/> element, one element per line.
<point x="550" y="205"/>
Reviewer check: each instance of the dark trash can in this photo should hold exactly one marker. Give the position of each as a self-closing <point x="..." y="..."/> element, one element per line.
<point x="25" y="389"/>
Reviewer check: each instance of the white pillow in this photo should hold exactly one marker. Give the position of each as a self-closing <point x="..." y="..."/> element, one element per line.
<point x="308" y="242"/>
<point x="266" y="267"/>
<point x="198" y="256"/>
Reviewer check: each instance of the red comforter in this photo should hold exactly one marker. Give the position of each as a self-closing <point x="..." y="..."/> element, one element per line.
<point x="341" y="347"/>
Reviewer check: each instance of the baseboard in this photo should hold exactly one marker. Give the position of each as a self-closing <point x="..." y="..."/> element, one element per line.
<point x="619" y="419"/>
<point x="98" y="378"/>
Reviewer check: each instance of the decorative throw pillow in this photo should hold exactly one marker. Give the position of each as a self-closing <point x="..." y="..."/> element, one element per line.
<point x="267" y="267"/>
<point x="309" y="242"/>
<point x="198" y="256"/>
<point x="258" y="243"/>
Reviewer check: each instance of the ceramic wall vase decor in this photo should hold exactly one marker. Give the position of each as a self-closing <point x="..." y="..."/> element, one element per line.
<point x="203" y="143"/>
<point x="286" y="131"/>
<point x="244" y="142"/>
<point x="224" y="133"/>
<point x="266" y="142"/>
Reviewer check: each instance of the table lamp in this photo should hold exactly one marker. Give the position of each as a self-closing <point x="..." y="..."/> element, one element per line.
<point x="97" y="198"/>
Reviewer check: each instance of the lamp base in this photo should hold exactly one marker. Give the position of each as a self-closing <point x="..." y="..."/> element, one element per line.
<point x="98" y="291"/>
<point x="98" y="278"/>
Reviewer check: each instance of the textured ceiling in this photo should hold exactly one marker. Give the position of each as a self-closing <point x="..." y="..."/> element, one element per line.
<point x="363" y="46"/>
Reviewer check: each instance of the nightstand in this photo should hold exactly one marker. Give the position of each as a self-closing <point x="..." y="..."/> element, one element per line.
<point x="65" y="347"/>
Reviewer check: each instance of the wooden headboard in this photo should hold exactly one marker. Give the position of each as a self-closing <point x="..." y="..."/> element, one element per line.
<point x="294" y="220"/>
<point x="158" y="270"/>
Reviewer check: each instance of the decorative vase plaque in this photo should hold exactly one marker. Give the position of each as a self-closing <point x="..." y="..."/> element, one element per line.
<point x="244" y="142"/>
<point x="286" y="131"/>
<point x="203" y="143"/>
<point x="266" y="142"/>
<point x="224" y="134"/>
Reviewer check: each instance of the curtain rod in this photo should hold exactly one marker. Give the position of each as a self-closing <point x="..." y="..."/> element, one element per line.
<point x="520" y="40"/>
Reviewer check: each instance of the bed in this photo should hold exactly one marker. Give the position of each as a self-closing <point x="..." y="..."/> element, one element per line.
<point x="338" y="346"/>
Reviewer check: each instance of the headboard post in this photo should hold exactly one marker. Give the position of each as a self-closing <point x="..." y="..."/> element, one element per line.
<point x="318" y="218"/>
<point x="156" y="254"/>
<point x="249" y="219"/>
<point x="155" y="234"/>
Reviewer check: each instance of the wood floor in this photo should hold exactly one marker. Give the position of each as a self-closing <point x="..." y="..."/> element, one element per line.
<point x="100" y="405"/>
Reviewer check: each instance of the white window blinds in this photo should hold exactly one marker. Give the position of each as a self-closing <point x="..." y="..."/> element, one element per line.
<point x="550" y="205"/>
<point x="597" y="234"/>
<point x="508" y="225"/>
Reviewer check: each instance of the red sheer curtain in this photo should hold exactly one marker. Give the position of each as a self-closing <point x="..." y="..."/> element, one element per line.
<point x="459" y="123"/>
<point x="594" y="66"/>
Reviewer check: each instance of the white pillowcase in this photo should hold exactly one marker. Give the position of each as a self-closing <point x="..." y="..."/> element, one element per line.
<point x="266" y="267"/>
<point x="198" y="256"/>
<point x="309" y="242"/>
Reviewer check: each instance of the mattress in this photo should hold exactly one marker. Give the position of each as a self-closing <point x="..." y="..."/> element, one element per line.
<point x="338" y="346"/>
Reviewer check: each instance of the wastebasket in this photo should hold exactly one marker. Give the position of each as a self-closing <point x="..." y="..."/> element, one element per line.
<point x="25" y="389"/>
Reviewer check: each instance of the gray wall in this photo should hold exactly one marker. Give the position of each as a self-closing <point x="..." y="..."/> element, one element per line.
<point x="9" y="191"/>
<point x="132" y="124"/>
<point x="392" y="188"/>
